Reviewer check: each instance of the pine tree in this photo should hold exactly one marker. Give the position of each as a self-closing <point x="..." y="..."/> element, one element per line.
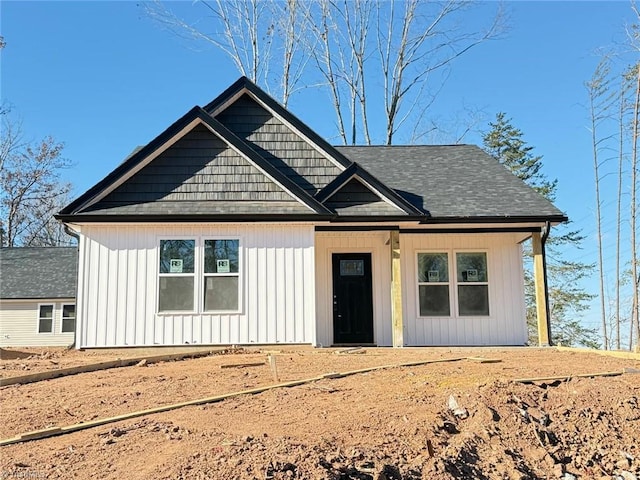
<point x="567" y="299"/>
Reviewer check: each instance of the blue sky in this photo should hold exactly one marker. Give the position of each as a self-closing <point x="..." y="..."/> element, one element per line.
<point x="103" y="78"/>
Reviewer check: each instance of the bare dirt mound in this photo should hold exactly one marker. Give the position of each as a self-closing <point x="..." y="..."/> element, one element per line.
<point x="455" y="419"/>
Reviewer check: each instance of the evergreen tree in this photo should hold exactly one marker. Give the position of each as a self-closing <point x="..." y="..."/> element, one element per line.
<point x="567" y="298"/>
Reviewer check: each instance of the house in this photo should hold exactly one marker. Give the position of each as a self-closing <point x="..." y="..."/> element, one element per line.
<point x="38" y="296"/>
<point x="240" y="225"/>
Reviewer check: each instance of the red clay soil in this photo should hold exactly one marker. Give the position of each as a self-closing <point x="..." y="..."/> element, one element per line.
<point x="397" y="423"/>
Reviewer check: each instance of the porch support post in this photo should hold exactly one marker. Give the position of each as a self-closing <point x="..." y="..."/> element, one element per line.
<point x="396" y="290"/>
<point x="542" y="298"/>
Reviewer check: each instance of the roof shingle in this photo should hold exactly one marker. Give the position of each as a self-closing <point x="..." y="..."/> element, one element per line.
<point x="42" y="272"/>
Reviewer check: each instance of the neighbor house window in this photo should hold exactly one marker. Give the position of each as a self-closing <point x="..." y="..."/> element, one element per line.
<point x="45" y="319"/>
<point x="433" y="284"/>
<point x="68" y="318"/>
<point x="469" y="287"/>
<point x="473" y="284"/>
<point x="221" y="275"/>
<point x="177" y="275"/>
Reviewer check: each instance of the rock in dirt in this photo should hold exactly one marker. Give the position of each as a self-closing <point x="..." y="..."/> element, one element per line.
<point x="457" y="410"/>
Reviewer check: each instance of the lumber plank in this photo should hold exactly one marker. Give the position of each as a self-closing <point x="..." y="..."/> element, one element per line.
<point x="93" y="367"/>
<point x="53" y="431"/>
<point x="243" y="365"/>
<point x="607" y="353"/>
<point x="568" y="377"/>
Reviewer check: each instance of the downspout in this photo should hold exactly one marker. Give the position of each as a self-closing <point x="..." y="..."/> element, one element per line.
<point x="546" y="230"/>
<point x="73" y="234"/>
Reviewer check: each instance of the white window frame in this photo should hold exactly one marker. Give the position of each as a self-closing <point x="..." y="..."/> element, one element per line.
<point x="452" y="262"/>
<point x="449" y="283"/>
<point x="63" y="318"/>
<point x="199" y="274"/>
<point x="160" y="275"/>
<point x="487" y="283"/>
<point x="53" y="318"/>
<point x="204" y="275"/>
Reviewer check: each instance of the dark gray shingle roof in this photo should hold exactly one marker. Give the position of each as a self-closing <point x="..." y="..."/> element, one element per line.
<point x="43" y="272"/>
<point x="451" y="180"/>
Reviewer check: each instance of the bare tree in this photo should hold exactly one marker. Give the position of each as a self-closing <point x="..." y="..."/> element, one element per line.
<point x="30" y="189"/>
<point x="350" y="43"/>
<point x="632" y="207"/>
<point x="414" y="44"/>
<point x="262" y="38"/>
<point x="601" y="100"/>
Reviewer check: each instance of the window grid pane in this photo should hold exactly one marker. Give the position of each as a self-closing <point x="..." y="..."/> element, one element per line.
<point x="434" y="301"/>
<point x="473" y="300"/>
<point x="176" y="294"/>
<point x="433" y="267"/>
<point x="177" y="256"/>
<point x="472" y="267"/>
<point x="221" y="293"/>
<point x="221" y="256"/>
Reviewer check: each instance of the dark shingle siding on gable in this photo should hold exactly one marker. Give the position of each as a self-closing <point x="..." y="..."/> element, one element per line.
<point x="278" y="144"/>
<point x="192" y="176"/>
<point x="33" y="273"/>
<point x="452" y="180"/>
<point x="354" y="198"/>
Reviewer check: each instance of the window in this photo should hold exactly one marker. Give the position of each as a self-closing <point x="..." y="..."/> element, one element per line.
<point x="469" y="287"/>
<point x="433" y="284"/>
<point x="177" y="275"/>
<point x="45" y="319"/>
<point x="473" y="285"/>
<point x="197" y="275"/>
<point x="221" y="275"/>
<point x="68" y="319"/>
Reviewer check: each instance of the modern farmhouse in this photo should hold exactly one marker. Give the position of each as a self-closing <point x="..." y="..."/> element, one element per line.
<point x="240" y="225"/>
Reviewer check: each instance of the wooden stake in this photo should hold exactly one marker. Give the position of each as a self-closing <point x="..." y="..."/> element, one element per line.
<point x="274" y="367"/>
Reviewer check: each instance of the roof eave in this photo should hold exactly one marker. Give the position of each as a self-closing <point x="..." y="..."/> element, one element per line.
<point x="187" y="218"/>
<point x="553" y="219"/>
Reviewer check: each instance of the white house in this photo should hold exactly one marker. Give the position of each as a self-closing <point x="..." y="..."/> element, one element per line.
<point x="240" y="225"/>
<point x="37" y="296"/>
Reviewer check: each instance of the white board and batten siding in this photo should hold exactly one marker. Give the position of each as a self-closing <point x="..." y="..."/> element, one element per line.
<point x="118" y="292"/>
<point x="19" y="323"/>
<point x="506" y="323"/>
<point x="328" y="243"/>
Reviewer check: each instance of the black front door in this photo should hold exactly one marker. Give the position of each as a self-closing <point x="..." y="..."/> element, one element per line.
<point x="352" y="298"/>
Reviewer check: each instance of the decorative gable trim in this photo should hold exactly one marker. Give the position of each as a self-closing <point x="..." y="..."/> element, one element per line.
<point x="244" y="85"/>
<point x="385" y="193"/>
<point x="169" y="137"/>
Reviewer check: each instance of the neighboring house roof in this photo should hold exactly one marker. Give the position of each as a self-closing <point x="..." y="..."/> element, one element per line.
<point x="244" y="157"/>
<point x="38" y="272"/>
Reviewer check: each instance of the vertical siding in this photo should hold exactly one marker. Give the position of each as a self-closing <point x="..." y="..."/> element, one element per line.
<point x="118" y="294"/>
<point x="19" y="324"/>
<point x="374" y="243"/>
<point x="506" y="323"/>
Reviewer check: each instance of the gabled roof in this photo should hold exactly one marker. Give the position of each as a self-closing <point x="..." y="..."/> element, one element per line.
<point x="377" y="190"/>
<point x="454" y="182"/>
<point x="88" y="205"/>
<point x="38" y="273"/>
<point x="244" y="157"/>
<point x="243" y="84"/>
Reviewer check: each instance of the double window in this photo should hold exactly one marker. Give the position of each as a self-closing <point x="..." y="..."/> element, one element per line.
<point x="204" y="274"/>
<point x="467" y="291"/>
<point x="47" y="315"/>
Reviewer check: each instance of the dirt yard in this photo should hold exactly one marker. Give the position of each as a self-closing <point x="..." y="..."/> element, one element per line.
<point x="395" y="423"/>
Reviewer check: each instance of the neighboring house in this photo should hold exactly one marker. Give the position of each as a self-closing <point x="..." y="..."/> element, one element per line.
<point x="240" y="225"/>
<point x="37" y="296"/>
